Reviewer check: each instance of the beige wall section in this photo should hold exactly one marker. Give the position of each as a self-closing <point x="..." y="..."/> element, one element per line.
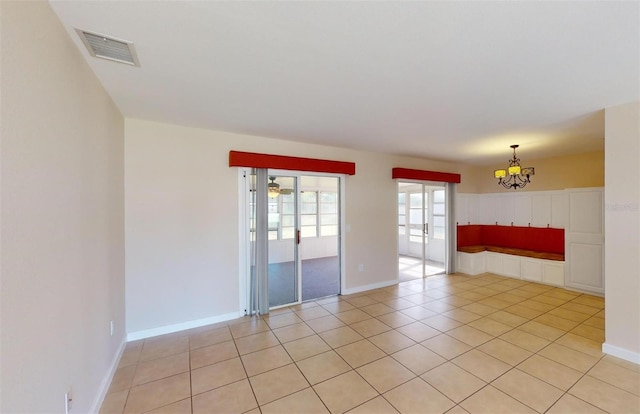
<point x="62" y="257"/>
<point x="622" y="231"/>
<point x="557" y="173"/>
<point x="182" y="219"/>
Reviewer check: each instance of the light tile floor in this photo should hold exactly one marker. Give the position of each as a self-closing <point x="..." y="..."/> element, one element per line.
<point x="410" y="268"/>
<point x="457" y="344"/>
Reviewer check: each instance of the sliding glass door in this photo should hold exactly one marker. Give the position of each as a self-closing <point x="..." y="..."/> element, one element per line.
<point x="298" y="238"/>
<point x="319" y="236"/>
<point x="284" y="238"/>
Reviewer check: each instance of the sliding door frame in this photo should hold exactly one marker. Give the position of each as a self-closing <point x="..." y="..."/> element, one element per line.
<point x="244" y="174"/>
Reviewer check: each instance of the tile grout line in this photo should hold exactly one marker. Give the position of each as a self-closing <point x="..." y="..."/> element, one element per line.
<point x="574" y="384"/>
<point x="496" y="337"/>
<point x="489" y="383"/>
<point x="410" y="292"/>
<point x="298" y="368"/>
<point x="245" y="373"/>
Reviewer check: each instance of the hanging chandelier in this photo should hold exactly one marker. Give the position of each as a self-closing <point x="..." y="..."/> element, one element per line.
<point x="515" y="176"/>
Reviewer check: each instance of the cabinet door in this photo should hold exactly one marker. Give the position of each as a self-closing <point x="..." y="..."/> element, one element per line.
<point x="584" y="240"/>
<point x="464" y="263"/>
<point x="472" y="211"/>
<point x="496" y="208"/>
<point x="494" y="263"/>
<point x="466" y="209"/>
<point x="486" y="208"/>
<point x="560" y="210"/>
<point x="553" y="273"/>
<point x="511" y="266"/>
<point x="504" y="208"/>
<point x="541" y="210"/>
<point x="522" y="210"/>
<point x="462" y="209"/>
<point x="531" y="270"/>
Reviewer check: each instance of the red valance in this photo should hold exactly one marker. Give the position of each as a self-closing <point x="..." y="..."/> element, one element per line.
<point x="424" y="175"/>
<point x="282" y="162"/>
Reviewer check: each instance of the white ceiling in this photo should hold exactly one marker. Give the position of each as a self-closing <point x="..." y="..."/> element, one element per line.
<point x="457" y="81"/>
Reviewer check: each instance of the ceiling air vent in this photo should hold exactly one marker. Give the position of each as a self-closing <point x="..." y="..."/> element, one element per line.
<point x="106" y="47"/>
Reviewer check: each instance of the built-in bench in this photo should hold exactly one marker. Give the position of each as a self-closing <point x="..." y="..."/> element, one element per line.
<point x="531" y="253"/>
<point x="515" y="252"/>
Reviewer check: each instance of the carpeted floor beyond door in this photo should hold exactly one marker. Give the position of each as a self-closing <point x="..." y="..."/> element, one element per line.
<point x="320" y="278"/>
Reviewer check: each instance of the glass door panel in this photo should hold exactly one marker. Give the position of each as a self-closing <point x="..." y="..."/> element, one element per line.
<point x="435" y="254"/>
<point x="320" y="236"/>
<point x="417" y="223"/>
<point x="283" y="241"/>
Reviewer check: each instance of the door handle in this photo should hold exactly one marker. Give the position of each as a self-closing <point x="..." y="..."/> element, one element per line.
<point x="297" y="236"/>
<point x="426" y="228"/>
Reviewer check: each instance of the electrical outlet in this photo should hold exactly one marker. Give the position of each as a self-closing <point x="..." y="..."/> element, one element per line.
<point x="111" y="327"/>
<point x="67" y="402"/>
<point x="360" y="267"/>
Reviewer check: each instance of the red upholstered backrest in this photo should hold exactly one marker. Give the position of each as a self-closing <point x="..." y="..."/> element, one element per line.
<point x="540" y="239"/>
<point x="470" y="235"/>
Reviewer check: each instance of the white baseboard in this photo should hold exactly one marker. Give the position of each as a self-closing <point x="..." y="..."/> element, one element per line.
<point x="364" y="288"/>
<point x="106" y="381"/>
<point x="621" y="353"/>
<point x="161" y="330"/>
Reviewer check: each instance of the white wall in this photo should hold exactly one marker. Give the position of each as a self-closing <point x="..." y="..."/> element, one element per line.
<point x="181" y="207"/>
<point x="62" y="257"/>
<point x="622" y="231"/>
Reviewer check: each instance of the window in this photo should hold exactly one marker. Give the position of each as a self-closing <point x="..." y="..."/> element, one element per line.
<point x="438" y="214"/>
<point x="415" y="216"/>
<point x="402" y="213"/>
<point x="287" y="216"/>
<point x="309" y="214"/>
<point x="318" y="215"/>
<point x="328" y="213"/>
<point x="273" y="218"/>
<point x="281" y="217"/>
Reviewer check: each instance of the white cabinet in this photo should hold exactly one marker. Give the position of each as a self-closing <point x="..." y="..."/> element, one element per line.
<point x="550" y="272"/>
<point x="511" y="265"/>
<point x="472" y="209"/>
<point x="494" y="263"/>
<point x="487" y="206"/>
<point x="536" y="208"/>
<point x="471" y="263"/>
<point x="553" y="273"/>
<point x="531" y="269"/>
<point x="584" y="241"/>
<point x="541" y="210"/>
<point x="560" y="210"/>
<point x="462" y="209"/>
<point x="504" y="207"/>
<point x="466" y="209"/>
<point x="523" y="209"/>
<point x="545" y="271"/>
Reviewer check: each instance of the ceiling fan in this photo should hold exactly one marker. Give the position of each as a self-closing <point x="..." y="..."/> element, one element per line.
<point x="274" y="188"/>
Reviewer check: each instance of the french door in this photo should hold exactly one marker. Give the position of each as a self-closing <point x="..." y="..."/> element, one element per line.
<point x="418" y="222"/>
<point x="422" y="226"/>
